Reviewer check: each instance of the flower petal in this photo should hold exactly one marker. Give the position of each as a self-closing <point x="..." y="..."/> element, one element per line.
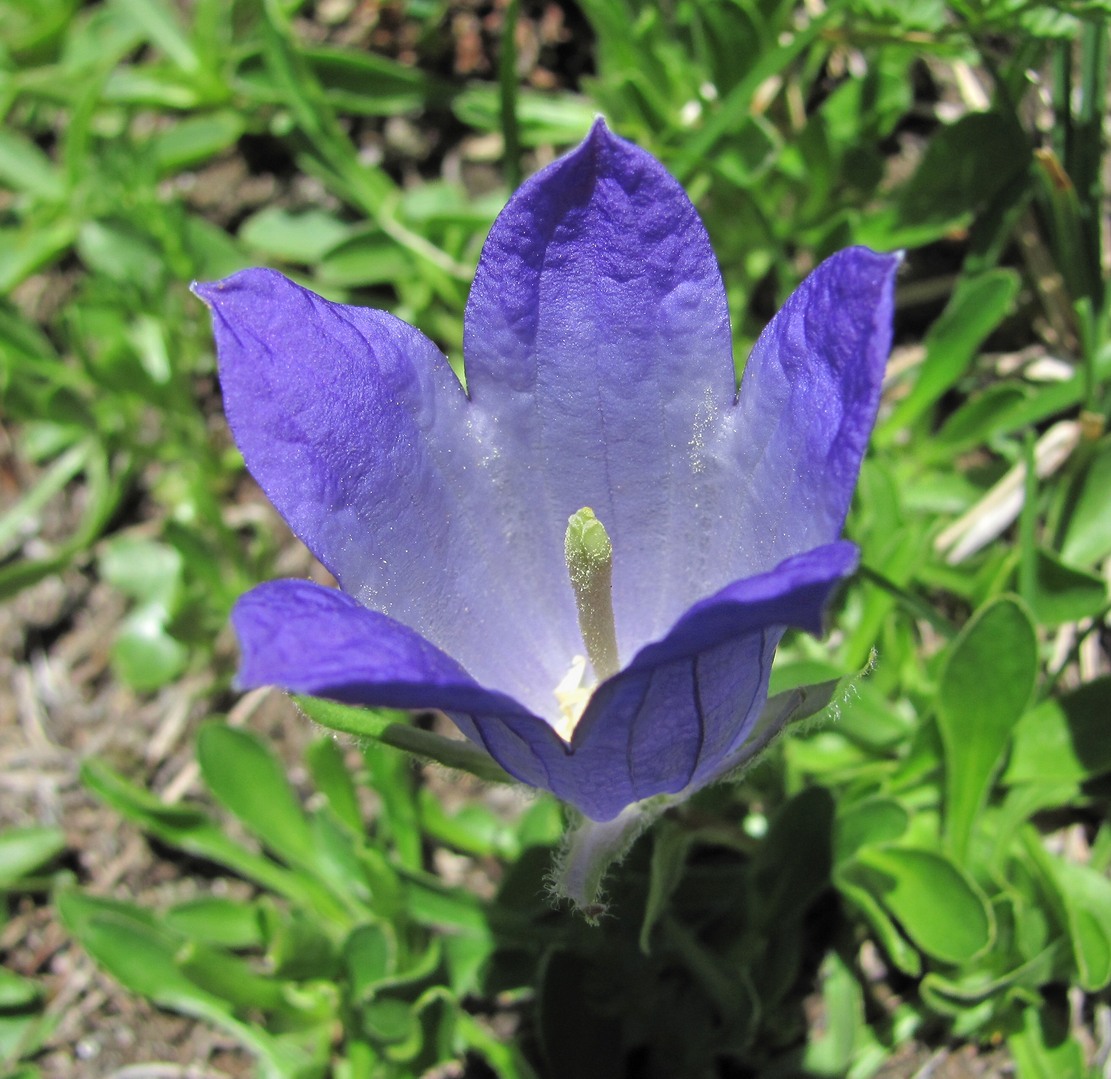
<point x="330" y="406"/>
<point x="310" y="639"/>
<point x="357" y="429"/>
<point x="806" y="408"/>
<point x="597" y="350"/>
<point x="745" y="621"/>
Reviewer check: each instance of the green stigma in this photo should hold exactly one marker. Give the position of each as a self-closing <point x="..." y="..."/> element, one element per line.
<point x="589" y="556"/>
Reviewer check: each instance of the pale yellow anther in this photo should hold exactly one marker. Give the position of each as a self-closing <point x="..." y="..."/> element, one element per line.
<point x="572" y="695"/>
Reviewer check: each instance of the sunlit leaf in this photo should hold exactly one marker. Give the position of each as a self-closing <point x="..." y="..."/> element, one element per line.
<point x="985" y="687"/>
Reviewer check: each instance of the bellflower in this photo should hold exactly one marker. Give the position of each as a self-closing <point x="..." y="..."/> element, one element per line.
<point x="599" y="375"/>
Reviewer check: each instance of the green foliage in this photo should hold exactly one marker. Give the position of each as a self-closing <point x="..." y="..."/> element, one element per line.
<point x="345" y="934"/>
<point x="929" y="862"/>
<point x="25" y="854"/>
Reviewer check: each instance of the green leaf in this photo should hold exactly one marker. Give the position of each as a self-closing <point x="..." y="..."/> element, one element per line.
<point x="144" y="655"/>
<point x="160" y="23"/>
<point x="250" y="782"/>
<point x="965" y="165"/>
<point x="299" y="945"/>
<point x="366" y="83"/>
<point x="143" y="569"/>
<point x="196" y="139"/>
<point x="195" y="832"/>
<point x="370" y="955"/>
<point x="30" y="29"/>
<point x="473" y="828"/>
<point x="212" y="920"/>
<point x="353" y="81"/>
<point x="103" y="488"/>
<point x="393" y="728"/>
<point x="365" y="258"/>
<point x="25" y="249"/>
<point x="978" y="418"/>
<point x="544" y="119"/>
<point x="387" y="1020"/>
<point x="1063" y="740"/>
<point x="1087" y="533"/>
<point x="670" y="845"/>
<point x="120" y="251"/>
<point x="142" y="955"/>
<point x="24" y="1025"/>
<point x="1044" y="1048"/>
<point x="985" y="686"/>
<point x="25" y="850"/>
<point x="330" y="773"/>
<point x="962" y="995"/>
<point x="429" y="902"/>
<point x="1062" y="593"/>
<point x="1083" y="896"/>
<point x="337" y="862"/>
<point x="128" y="941"/>
<point x="304" y="237"/>
<point x="229" y="978"/>
<point x="938" y="906"/>
<point x="875" y="821"/>
<point x="832" y="1050"/>
<point x="976" y="307"/>
<point x="785" y="888"/>
<point x="17" y="993"/>
<point x="26" y="169"/>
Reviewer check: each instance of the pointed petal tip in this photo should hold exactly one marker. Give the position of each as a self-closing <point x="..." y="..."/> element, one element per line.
<point x="602" y="144"/>
<point x="600" y="131"/>
<point x="211" y="293"/>
<point x="867" y="256"/>
<point x="866" y="276"/>
<point x="253" y="278"/>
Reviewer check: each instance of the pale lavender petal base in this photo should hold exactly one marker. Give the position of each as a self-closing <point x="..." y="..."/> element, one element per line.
<point x="597" y="350"/>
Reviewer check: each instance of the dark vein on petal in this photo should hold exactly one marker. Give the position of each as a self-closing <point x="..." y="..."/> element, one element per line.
<point x="629" y="765"/>
<point x="700" y="712"/>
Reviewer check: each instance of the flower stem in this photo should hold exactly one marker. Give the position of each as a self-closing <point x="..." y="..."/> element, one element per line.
<point x="591" y="847"/>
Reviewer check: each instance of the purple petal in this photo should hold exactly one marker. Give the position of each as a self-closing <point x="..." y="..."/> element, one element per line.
<point x="357" y="430"/>
<point x="309" y="639"/>
<point x="330" y="406"/>
<point x="598" y="354"/>
<point x="806" y="409"/>
<point x="793" y="594"/>
<point x="315" y="640"/>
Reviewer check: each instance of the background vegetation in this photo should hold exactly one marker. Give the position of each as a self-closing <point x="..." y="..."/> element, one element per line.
<point x="916" y="884"/>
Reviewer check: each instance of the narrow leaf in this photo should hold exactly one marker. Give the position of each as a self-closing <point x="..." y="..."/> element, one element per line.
<point x="250" y="782"/>
<point x="985" y="686"/>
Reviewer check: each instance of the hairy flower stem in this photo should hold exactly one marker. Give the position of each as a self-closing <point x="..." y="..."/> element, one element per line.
<point x="589" y="554"/>
<point x="590" y="848"/>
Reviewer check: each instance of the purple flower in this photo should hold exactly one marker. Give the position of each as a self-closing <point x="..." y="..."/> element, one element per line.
<point x="599" y="374"/>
